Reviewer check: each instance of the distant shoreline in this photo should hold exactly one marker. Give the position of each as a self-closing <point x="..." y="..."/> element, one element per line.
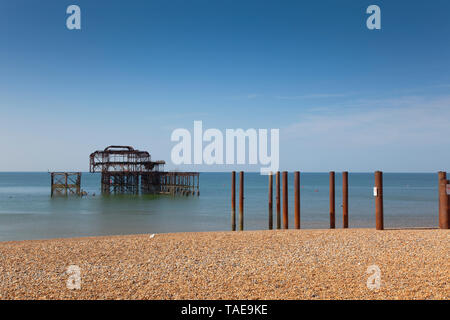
<point x="283" y="264"/>
<point x="99" y="237"/>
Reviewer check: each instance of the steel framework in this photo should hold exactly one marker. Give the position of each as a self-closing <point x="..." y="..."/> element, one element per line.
<point x="65" y="183"/>
<point x="123" y="159"/>
<point x="126" y="170"/>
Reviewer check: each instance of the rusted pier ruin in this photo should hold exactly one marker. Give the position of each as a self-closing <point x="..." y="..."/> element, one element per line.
<point x="126" y="170"/>
<point x="184" y="183"/>
<point x="65" y="183"/>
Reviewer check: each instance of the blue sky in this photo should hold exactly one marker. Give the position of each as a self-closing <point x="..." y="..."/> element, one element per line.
<point x="344" y="97"/>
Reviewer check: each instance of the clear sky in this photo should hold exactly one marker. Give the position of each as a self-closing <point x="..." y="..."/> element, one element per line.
<point x="344" y="97"/>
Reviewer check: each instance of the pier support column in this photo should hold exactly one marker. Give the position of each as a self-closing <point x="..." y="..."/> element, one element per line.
<point x="444" y="201"/>
<point x="233" y="201"/>
<point x="52" y="182"/>
<point x="332" y="202"/>
<point x="378" y="193"/>
<point x="277" y="183"/>
<point x="345" y="199"/>
<point x="270" y="201"/>
<point x="285" y="200"/>
<point x="65" y="188"/>
<point x="241" y="200"/>
<point x="297" y="199"/>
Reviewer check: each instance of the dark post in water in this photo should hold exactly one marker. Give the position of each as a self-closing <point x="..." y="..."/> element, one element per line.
<point x="332" y="204"/>
<point x="277" y="183"/>
<point x="270" y="201"/>
<point x="378" y="193"/>
<point x="444" y="201"/>
<point x="297" y="198"/>
<point x="241" y="200"/>
<point x="285" y="201"/>
<point x="345" y="199"/>
<point x="233" y="201"/>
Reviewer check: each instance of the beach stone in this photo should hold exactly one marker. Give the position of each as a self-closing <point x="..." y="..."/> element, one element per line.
<point x="275" y="264"/>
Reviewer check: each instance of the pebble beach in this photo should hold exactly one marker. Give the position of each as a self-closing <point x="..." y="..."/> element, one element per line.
<point x="282" y="264"/>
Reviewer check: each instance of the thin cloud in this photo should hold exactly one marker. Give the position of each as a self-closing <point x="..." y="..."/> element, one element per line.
<point x="313" y="96"/>
<point x="405" y="121"/>
<point x="247" y="96"/>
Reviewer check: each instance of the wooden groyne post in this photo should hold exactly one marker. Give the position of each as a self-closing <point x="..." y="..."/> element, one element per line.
<point x="444" y="200"/>
<point x="345" y="199"/>
<point x="297" y="199"/>
<point x="277" y="183"/>
<point x="285" y="200"/>
<point x="378" y="194"/>
<point x="233" y="201"/>
<point x="241" y="200"/>
<point x="270" y="201"/>
<point x="332" y="202"/>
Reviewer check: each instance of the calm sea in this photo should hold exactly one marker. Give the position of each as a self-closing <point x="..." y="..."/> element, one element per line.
<point x="28" y="212"/>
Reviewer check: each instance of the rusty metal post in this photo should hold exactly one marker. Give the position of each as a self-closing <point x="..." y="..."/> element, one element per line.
<point x="241" y="200"/>
<point x="345" y="199"/>
<point x="444" y="201"/>
<point x="233" y="201"/>
<point x="53" y="182"/>
<point x="198" y="186"/>
<point x="270" y="201"/>
<point x="65" y="184"/>
<point x="332" y="202"/>
<point x="78" y="184"/>
<point x="297" y="198"/>
<point x="285" y="200"/>
<point x="277" y="183"/>
<point x="378" y="193"/>
<point x="446" y="222"/>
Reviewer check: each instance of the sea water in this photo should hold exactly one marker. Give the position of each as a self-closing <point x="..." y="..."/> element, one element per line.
<point x="28" y="212"/>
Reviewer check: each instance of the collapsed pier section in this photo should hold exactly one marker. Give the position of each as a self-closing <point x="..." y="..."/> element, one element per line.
<point x="126" y="170"/>
<point x="65" y="183"/>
